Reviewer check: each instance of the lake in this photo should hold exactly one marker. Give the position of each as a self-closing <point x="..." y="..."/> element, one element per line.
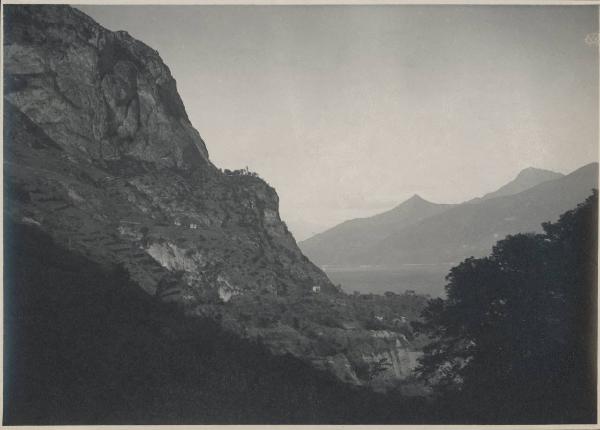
<point x="422" y="278"/>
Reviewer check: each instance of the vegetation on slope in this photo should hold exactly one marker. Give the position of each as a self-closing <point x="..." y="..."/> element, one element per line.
<point x="85" y="345"/>
<point x="512" y="343"/>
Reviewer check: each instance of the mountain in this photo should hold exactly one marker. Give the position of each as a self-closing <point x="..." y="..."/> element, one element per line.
<point x="421" y="232"/>
<point x="471" y="229"/>
<point x="342" y="244"/>
<point x="527" y="178"/>
<point x="103" y="154"/>
<point x="100" y="157"/>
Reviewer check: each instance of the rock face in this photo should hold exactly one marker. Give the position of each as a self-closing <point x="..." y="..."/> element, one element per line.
<point x="100" y="95"/>
<point x="99" y="153"/>
<point x="111" y="107"/>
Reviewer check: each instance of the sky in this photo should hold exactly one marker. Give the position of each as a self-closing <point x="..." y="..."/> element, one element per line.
<point x="349" y="110"/>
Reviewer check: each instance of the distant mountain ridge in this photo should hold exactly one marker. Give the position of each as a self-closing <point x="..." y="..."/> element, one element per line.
<point x="346" y="241"/>
<point x="430" y="233"/>
<point x="527" y="178"/>
<point x="472" y="229"/>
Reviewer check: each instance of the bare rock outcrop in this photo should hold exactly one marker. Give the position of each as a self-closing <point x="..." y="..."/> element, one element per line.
<point x="99" y="94"/>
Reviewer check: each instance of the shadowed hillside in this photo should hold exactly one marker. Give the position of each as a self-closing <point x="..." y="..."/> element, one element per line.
<point x="100" y="155"/>
<point x="85" y="345"/>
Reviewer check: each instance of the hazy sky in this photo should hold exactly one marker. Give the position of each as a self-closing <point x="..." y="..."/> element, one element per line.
<point x="349" y="110"/>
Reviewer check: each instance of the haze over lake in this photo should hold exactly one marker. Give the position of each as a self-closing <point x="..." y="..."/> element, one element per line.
<point x="424" y="278"/>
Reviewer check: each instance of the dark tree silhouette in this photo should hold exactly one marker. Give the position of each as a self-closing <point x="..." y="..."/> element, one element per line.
<point x="515" y="339"/>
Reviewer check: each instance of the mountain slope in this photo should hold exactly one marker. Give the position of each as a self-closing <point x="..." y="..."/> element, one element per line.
<point x="87" y="346"/>
<point x="127" y="166"/>
<point x="345" y="244"/>
<point x="340" y="244"/>
<point x="420" y="232"/>
<point x="470" y="229"/>
<point x="527" y="178"/>
<point x="100" y="155"/>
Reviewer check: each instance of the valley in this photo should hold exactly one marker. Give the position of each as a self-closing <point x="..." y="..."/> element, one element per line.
<point x="144" y="284"/>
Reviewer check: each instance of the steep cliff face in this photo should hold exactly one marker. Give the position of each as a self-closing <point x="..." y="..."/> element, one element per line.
<point x="100" y="95"/>
<point x="99" y="153"/>
<point x="111" y="108"/>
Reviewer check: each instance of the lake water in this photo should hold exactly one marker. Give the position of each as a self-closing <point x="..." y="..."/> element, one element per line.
<point x="422" y="278"/>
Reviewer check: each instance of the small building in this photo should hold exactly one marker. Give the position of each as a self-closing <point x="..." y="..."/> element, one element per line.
<point x="177" y="223"/>
<point x="193" y="226"/>
<point x="378" y="317"/>
<point x="316" y="289"/>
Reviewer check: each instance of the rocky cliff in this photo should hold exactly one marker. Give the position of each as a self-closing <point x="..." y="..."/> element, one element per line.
<point x="127" y="162"/>
<point x="99" y="153"/>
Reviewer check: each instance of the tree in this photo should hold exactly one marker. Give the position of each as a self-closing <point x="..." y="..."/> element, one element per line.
<point x="515" y="337"/>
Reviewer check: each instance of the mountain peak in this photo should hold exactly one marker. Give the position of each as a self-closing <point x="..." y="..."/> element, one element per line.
<point x="534" y="172"/>
<point x="415" y="198"/>
<point x="413" y="202"/>
<point x="527" y="178"/>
